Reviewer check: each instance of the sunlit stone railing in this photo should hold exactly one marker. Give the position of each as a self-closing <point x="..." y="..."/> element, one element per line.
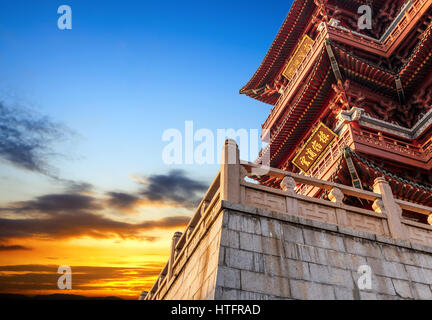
<point x="229" y="185"/>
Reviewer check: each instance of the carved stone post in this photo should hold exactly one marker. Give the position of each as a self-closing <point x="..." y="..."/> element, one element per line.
<point x="143" y="295"/>
<point x="230" y="172"/>
<point x="288" y="184"/>
<point x="189" y="232"/>
<point x="337" y="196"/>
<point x="171" y="260"/>
<point x="391" y="208"/>
<point x="204" y="207"/>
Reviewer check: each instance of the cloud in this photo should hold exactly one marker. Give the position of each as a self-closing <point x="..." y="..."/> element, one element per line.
<point x="75" y="215"/>
<point x="122" y="200"/>
<point x="76" y="186"/>
<point x="13" y="248"/>
<point x="84" y="224"/>
<point x="58" y="203"/>
<point x="26" y="138"/>
<point x="174" y="188"/>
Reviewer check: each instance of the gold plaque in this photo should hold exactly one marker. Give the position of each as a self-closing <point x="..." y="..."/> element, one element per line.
<point x="314" y="148"/>
<point x="298" y="57"/>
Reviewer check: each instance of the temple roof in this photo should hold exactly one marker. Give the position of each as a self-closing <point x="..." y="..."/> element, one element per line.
<point x="420" y="56"/>
<point x="283" y="45"/>
<point x="300" y="113"/>
<point x="294" y="26"/>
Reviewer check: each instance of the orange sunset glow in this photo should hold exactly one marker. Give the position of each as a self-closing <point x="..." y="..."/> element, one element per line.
<point x="115" y="243"/>
<point x="113" y="266"/>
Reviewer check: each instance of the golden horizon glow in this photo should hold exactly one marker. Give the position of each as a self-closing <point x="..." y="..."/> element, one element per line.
<point x="100" y="267"/>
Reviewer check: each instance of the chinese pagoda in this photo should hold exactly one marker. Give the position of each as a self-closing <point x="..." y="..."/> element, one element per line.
<point x="350" y="104"/>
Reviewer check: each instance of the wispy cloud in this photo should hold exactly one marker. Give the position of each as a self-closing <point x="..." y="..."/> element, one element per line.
<point x="26" y="138"/>
<point x="122" y="200"/>
<point x="66" y="224"/>
<point x="57" y="203"/>
<point x="77" y="214"/>
<point x="174" y="188"/>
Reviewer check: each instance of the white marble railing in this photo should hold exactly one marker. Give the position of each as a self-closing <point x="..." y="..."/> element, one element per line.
<point x="385" y="219"/>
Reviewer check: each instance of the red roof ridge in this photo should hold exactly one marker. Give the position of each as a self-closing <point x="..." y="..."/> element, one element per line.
<point x="272" y="61"/>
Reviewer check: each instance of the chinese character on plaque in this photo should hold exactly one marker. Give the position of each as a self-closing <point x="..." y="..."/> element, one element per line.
<point x="314" y="148"/>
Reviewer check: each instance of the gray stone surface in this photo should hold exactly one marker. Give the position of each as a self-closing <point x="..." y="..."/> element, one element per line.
<point x="244" y="260"/>
<point x="262" y="283"/>
<point x="230" y="238"/>
<point x="422" y="291"/>
<point x="228" y="278"/>
<point x="342" y="293"/>
<point x="323" y="239"/>
<point x="257" y="254"/>
<point x="306" y="290"/>
<point x="402" y="288"/>
<point x="268" y="256"/>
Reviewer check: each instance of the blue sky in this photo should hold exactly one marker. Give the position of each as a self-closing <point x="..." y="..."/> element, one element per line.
<point x="82" y="113"/>
<point x="127" y="71"/>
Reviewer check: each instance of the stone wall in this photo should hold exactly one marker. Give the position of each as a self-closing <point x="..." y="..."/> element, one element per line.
<point x="270" y="255"/>
<point x="197" y="279"/>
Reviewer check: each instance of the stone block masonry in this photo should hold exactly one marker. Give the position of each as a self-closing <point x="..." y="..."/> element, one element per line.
<point x="252" y="253"/>
<point x="196" y="278"/>
<point x="269" y="255"/>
